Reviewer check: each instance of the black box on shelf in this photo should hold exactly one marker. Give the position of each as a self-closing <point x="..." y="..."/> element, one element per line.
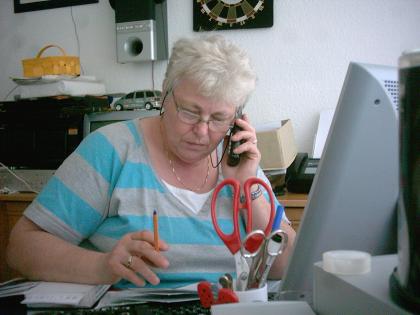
<point x="41" y="133"/>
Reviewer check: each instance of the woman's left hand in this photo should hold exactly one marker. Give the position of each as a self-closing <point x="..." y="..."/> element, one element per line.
<point x="250" y="156"/>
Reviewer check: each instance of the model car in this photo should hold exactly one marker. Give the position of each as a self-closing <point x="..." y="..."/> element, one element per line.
<point x="144" y="99"/>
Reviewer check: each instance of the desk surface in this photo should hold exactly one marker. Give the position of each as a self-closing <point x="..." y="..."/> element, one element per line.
<point x="357" y="294"/>
<point x="17" y="197"/>
<point x="292" y="199"/>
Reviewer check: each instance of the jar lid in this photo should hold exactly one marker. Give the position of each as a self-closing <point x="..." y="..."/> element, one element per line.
<point x="346" y="262"/>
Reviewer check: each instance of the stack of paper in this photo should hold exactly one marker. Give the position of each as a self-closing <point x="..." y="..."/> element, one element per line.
<point x="16" y="286"/>
<point x="53" y="85"/>
<point x="41" y="294"/>
<point x="61" y="294"/>
<point x="144" y="295"/>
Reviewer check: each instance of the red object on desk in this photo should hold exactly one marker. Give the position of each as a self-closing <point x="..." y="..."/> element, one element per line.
<point x="205" y="294"/>
<point x="226" y="296"/>
<point x="207" y="298"/>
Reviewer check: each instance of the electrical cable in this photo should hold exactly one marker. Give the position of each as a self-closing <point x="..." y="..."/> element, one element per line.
<point x="153" y="75"/>
<point x="165" y="35"/>
<point x="77" y="39"/>
<point x="19" y="178"/>
<point x="10" y="92"/>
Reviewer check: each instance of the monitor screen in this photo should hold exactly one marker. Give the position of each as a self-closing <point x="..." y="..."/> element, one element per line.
<point x="94" y="121"/>
<point x="352" y="201"/>
<point x="98" y="124"/>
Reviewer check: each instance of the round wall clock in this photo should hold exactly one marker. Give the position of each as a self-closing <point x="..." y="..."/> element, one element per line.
<point x="211" y="15"/>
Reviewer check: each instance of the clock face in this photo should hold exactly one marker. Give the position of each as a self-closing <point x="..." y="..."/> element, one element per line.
<point x="232" y="14"/>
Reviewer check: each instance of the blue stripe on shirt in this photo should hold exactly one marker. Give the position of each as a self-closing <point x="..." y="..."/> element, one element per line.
<point x="176" y="280"/>
<point x="133" y="129"/>
<point x="138" y="175"/>
<point x="176" y="230"/>
<point x="226" y="191"/>
<point x="99" y="153"/>
<point x="69" y="207"/>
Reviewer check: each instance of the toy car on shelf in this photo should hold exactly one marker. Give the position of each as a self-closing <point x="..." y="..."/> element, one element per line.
<point x="144" y="99"/>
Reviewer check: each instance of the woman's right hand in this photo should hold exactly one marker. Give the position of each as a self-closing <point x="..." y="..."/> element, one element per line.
<point x="139" y="246"/>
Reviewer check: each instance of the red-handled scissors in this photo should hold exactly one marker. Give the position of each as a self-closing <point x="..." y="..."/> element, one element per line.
<point x="233" y="241"/>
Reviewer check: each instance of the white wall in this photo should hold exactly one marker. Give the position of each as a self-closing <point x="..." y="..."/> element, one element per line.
<point x="301" y="61"/>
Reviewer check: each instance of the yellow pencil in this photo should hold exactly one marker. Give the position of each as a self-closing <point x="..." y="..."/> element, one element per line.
<point x="156" y="230"/>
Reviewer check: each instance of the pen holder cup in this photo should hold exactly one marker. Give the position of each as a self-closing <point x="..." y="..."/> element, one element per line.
<point x="253" y="295"/>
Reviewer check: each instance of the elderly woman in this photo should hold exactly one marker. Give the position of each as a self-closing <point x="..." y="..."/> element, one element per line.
<point x="92" y="223"/>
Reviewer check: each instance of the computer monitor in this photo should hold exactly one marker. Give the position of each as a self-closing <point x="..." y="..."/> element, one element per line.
<point x="93" y="121"/>
<point x="352" y="201"/>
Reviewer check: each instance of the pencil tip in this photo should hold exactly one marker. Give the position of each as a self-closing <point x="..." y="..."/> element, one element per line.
<point x="154" y="211"/>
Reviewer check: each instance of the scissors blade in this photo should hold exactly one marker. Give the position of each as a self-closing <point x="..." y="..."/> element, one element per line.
<point x="242" y="271"/>
<point x="252" y="249"/>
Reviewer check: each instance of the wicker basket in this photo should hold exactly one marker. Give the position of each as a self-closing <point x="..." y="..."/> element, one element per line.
<point x="39" y="66"/>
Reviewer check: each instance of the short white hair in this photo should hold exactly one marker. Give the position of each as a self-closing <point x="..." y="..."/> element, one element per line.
<point x="221" y="70"/>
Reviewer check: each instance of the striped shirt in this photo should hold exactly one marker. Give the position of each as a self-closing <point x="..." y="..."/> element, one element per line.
<point x="108" y="187"/>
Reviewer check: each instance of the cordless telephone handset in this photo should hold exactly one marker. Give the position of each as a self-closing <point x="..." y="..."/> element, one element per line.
<point x="233" y="158"/>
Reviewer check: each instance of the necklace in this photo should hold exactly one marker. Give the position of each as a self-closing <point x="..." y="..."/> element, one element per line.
<point x="171" y="165"/>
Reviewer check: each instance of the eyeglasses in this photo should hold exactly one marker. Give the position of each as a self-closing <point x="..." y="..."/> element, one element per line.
<point x="191" y="118"/>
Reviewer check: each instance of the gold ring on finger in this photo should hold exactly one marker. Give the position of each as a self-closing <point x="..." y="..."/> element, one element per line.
<point x="129" y="261"/>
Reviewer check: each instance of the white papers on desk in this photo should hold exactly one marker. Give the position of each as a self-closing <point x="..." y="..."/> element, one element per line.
<point x="17" y="286"/>
<point x="53" y="85"/>
<point x="325" y="119"/>
<point x="61" y="294"/>
<point x="144" y="295"/>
